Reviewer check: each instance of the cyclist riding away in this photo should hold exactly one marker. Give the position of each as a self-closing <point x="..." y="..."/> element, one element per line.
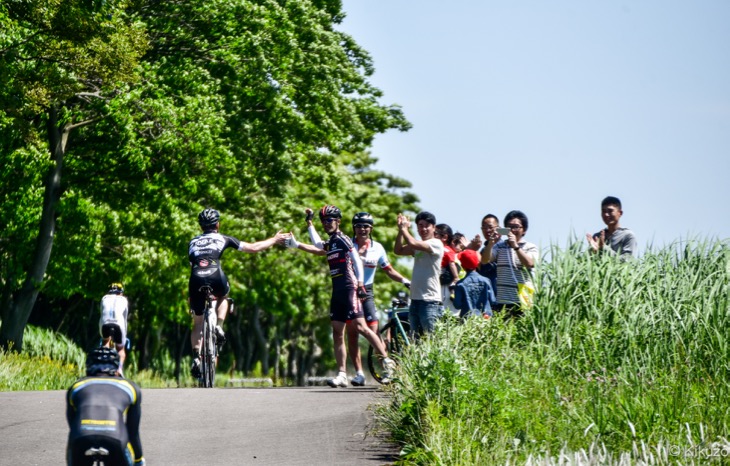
<point x="103" y="412"/>
<point x="348" y="289"/>
<point x="372" y="254"/>
<point x="205" y="252"/>
<point x="113" y="320"/>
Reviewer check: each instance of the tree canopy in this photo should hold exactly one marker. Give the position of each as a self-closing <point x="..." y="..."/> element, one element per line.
<point x="121" y="120"/>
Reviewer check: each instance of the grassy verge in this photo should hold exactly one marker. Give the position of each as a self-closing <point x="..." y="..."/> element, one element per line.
<point x="50" y="361"/>
<point x="617" y="363"/>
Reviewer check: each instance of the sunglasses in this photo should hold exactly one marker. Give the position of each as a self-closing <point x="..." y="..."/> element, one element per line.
<point x="328" y="220"/>
<point x="362" y="225"/>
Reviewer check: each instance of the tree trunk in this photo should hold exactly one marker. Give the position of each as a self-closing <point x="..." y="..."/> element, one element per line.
<point x="20" y="306"/>
<point x="263" y="346"/>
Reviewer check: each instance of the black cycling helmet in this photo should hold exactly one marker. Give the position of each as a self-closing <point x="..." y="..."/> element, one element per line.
<point x="102" y="360"/>
<point x="362" y="217"/>
<point x="208" y="218"/>
<point x="330" y="211"/>
<point x="116" y="288"/>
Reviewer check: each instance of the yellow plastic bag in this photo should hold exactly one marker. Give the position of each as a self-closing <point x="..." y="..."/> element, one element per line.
<point x="526" y="293"/>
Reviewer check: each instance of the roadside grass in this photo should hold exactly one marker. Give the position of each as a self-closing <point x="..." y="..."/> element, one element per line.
<point x="51" y="361"/>
<point x="617" y="363"/>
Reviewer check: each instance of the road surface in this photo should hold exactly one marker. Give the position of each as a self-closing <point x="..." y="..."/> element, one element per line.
<point x="220" y="426"/>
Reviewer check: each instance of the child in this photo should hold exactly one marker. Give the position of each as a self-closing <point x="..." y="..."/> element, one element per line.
<point x="473" y="295"/>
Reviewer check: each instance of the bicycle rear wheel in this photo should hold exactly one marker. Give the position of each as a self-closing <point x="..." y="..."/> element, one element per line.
<point x="208" y="357"/>
<point x="394" y="341"/>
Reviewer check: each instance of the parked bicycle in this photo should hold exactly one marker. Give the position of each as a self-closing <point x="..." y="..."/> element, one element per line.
<point x="209" y="348"/>
<point x="394" y="334"/>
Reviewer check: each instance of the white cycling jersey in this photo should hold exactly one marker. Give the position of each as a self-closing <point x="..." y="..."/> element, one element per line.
<point x="114" y="310"/>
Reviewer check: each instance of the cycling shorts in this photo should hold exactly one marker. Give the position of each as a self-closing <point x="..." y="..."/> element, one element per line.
<point x="217" y="281"/>
<point x="119" y="455"/>
<point x="114" y="331"/>
<point x="368" y="307"/>
<point x="345" y="306"/>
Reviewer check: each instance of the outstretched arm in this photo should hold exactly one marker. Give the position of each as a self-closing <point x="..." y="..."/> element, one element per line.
<point x="258" y="246"/>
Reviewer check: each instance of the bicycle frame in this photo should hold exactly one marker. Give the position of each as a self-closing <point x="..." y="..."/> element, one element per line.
<point x="209" y="346"/>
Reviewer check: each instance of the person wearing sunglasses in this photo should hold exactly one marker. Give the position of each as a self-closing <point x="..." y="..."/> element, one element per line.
<point x="373" y="256"/>
<point x="348" y="288"/>
<point x="515" y="259"/>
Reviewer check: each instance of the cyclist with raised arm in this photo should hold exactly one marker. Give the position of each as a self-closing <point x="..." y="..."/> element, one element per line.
<point x="373" y="255"/>
<point x="205" y="252"/>
<point x="113" y="320"/>
<point x="103" y="411"/>
<point x="348" y="289"/>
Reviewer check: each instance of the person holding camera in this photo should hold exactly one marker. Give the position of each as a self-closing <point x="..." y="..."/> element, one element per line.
<point x="515" y="258"/>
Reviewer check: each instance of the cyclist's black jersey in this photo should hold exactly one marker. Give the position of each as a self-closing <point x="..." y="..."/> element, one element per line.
<point x="204" y="253"/>
<point x="339" y="248"/>
<point x="95" y="413"/>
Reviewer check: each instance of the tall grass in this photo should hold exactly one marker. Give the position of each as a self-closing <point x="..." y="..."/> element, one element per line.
<point x="617" y="363"/>
<point x="51" y="361"/>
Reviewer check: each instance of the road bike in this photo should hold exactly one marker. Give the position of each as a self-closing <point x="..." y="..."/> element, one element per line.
<point x="209" y="348"/>
<point x="394" y="335"/>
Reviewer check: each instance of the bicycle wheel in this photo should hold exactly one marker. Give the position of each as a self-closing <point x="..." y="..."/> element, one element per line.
<point x="394" y="341"/>
<point x="207" y="358"/>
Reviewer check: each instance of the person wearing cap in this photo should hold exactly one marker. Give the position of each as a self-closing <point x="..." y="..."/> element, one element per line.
<point x="113" y="320"/>
<point x="103" y="412"/>
<point x="473" y="295"/>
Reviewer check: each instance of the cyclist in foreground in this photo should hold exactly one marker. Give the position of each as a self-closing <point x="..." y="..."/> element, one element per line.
<point x="205" y="252"/>
<point x="373" y="255"/>
<point x="347" y="287"/>
<point x="113" y="320"/>
<point x="103" y="410"/>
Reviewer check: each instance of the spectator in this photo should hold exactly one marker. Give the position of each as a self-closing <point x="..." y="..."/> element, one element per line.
<point x="459" y="243"/>
<point x="614" y="239"/>
<point x="425" y="306"/>
<point x="473" y="295"/>
<point x="449" y="270"/>
<point x="515" y="259"/>
<point x="490" y="223"/>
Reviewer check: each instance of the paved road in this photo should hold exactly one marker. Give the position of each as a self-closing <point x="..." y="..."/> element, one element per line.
<point x="223" y="426"/>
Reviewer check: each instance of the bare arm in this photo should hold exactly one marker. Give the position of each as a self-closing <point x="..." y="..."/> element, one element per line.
<point x="259" y="246"/>
<point x="310" y="248"/>
<point x="400" y="247"/>
<point x="395" y="275"/>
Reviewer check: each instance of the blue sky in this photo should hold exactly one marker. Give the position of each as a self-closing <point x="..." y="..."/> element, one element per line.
<point x="549" y="106"/>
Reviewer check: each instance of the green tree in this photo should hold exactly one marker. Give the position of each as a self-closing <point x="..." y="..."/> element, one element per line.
<point x="60" y="62"/>
<point x="253" y="107"/>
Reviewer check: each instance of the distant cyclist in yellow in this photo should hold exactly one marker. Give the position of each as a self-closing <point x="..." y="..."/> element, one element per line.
<point x="103" y="411"/>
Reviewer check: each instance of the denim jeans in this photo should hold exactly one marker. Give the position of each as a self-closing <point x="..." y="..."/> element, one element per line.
<point x="423" y="315"/>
